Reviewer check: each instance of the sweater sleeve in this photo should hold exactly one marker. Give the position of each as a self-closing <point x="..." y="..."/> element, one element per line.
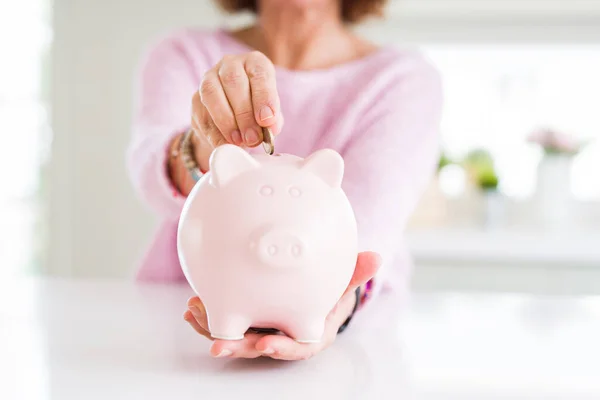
<point x="166" y="81"/>
<point x="390" y="162"/>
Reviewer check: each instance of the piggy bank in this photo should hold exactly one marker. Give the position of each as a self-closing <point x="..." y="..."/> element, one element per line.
<point x="268" y="242"/>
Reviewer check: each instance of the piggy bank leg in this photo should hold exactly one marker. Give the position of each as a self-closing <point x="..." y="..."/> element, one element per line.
<point x="228" y="326"/>
<point x="308" y="331"/>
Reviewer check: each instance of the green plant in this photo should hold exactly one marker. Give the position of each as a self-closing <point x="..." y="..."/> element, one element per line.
<point x="444" y="161"/>
<point x="478" y="158"/>
<point x="488" y="180"/>
<point x="479" y="165"/>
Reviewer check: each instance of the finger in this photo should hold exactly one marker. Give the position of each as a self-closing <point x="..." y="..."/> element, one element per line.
<point x="367" y="264"/>
<point x="245" y="348"/>
<point x="205" y="124"/>
<point x="196" y="307"/>
<point x="285" y="348"/>
<point x="214" y="99"/>
<point x="341" y="311"/>
<point x="265" y="100"/>
<point x="189" y="318"/>
<point x="277" y="127"/>
<point x="236" y="87"/>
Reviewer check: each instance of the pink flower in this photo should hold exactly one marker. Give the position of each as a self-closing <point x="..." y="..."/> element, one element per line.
<point x="553" y="141"/>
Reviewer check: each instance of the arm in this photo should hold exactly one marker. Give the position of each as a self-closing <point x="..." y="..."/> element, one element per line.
<point x="166" y="82"/>
<point x="391" y="161"/>
<point x="230" y="102"/>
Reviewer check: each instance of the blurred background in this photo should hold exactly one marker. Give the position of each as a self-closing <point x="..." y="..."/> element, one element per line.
<point x="514" y="206"/>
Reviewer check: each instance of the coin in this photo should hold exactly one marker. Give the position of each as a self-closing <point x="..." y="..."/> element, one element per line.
<point x="268" y="141"/>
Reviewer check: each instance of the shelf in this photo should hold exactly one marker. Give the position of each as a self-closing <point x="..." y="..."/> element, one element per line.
<point x="479" y="246"/>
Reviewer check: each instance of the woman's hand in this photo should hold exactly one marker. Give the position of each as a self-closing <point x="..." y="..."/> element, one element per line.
<point x="237" y="97"/>
<point x="277" y="345"/>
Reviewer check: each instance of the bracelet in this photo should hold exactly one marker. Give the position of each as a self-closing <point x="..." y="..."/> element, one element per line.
<point x="175" y="146"/>
<point x="174" y="158"/>
<point x="368" y="292"/>
<point x="361" y="299"/>
<point x="343" y="327"/>
<point x="187" y="156"/>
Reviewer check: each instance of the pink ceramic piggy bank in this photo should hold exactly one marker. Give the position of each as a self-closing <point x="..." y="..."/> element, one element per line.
<point x="268" y="242"/>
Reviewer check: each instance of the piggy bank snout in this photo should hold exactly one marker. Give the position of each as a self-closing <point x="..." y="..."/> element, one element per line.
<point x="280" y="248"/>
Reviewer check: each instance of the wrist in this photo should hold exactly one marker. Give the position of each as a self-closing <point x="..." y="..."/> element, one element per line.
<point x="179" y="174"/>
<point x="202" y="152"/>
<point x="355" y="303"/>
<point x="366" y="292"/>
<point x="175" y="172"/>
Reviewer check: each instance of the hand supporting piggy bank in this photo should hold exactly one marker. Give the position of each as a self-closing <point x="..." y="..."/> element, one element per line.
<point x="268" y="242"/>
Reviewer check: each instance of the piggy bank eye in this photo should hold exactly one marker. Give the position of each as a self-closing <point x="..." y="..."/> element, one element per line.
<point x="295" y="192"/>
<point x="266" y="190"/>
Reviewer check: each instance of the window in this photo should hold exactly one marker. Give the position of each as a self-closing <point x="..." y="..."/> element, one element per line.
<point x="496" y="95"/>
<point x="25" y="36"/>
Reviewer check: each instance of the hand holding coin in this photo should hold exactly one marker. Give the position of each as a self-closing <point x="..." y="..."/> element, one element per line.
<point x="236" y="101"/>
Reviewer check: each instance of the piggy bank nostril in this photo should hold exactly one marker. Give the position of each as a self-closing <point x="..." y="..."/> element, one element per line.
<point x="272" y="250"/>
<point x="295" y="192"/>
<point x="296" y="250"/>
<point x="266" y="191"/>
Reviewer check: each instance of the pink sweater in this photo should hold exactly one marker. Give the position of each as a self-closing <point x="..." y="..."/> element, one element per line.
<point x="381" y="113"/>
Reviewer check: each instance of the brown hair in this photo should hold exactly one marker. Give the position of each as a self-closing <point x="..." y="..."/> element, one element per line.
<point x="352" y="10"/>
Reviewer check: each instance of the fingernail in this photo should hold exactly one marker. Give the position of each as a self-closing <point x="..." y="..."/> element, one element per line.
<point x="268" y="350"/>
<point x="236" y="136"/>
<point x="251" y="137"/>
<point x="224" y="353"/>
<point x="266" y="113"/>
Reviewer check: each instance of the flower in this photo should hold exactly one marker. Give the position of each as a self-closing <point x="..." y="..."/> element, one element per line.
<point x="554" y="142"/>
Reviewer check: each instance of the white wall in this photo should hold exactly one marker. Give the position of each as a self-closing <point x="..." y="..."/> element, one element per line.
<point x="484" y="21"/>
<point x="96" y="225"/>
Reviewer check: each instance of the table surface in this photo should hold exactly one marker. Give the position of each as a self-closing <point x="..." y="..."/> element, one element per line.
<point x="63" y="339"/>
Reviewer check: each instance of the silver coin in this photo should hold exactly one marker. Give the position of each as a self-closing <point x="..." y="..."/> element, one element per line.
<point x="268" y="141"/>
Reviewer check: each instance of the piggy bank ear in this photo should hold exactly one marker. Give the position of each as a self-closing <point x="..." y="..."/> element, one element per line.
<point x="227" y="162"/>
<point x="327" y="165"/>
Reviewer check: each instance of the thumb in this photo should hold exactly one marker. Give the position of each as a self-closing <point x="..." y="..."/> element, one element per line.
<point x="367" y="265"/>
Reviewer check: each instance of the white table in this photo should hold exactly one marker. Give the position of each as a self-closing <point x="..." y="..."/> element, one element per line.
<point x="88" y="340"/>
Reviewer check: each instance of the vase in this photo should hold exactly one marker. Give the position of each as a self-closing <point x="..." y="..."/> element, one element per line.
<point x="493" y="208"/>
<point x="553" y="191"/>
